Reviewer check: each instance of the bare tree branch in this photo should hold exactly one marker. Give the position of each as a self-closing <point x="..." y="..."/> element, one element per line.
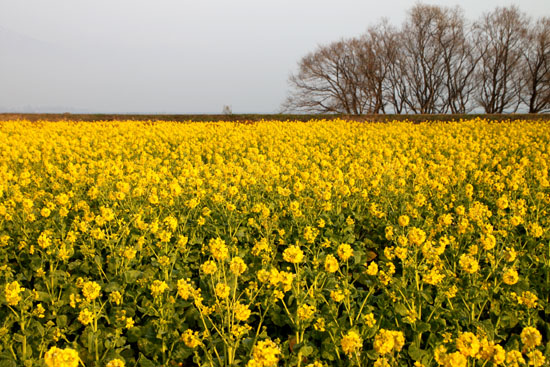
<point x="499" y="38"/>
<point x="536" y="67"/>
<point x="436" y="63"/>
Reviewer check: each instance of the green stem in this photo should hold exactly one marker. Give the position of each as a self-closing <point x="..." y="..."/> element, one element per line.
<point x="262" y="316"/>
<point x="24" y="336"/>
<point x="96" y="346"/>
<point x="334" y="343"/>
<point x="364" y="302"/>
<point x="298" y="341"/>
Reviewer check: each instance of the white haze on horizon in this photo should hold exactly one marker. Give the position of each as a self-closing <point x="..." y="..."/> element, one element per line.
<point x="176" y="56"/>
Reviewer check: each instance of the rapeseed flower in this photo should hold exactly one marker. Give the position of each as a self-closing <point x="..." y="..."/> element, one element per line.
<point x="242" y="312"/>
<point x="381" y="362"/>
<point x="331" y="264"/>
<point x="387" y="341"/>
<point x="351" y="343"/>
<point x="433" y="277"/>
<point x="56" y="357"/>
<point x="222" y="290"/>
<point x="514" y="358"/>
<point x="218" y="249"/>
<point x="319" y="324"/>
<point x="209" y="267"/>
<point x="306" y="312"/>
<point x="530" y="337"/>
<point x="528" y="299"/>
<point x="293" y="254"/>
<point x="237" y="266"/>
<point x="455" y="359"/>
<point x="85" y="316"/>
<point x="158" y="287"/>
<point x="372" y="269"/>
<point x="310" y="234"/>
<point x="185" y="289"/>
<point x="510" y="276"/>
<point x="416" y="236"/>
<point x="468" y="344"/>
<point x="369" y="319"/>
<point x="12" y="292"/>
<point x="536" y="358"/>
<point x="468" y="264"/>
<point x="117" y="362"/>
<point x="337" y="296"/>
<point x="403" y="220"/>
<point x="191" y="338"/>
<point x="264" y="354"/>
<point x="344" y="252"/>
<point x="91" y="290"/>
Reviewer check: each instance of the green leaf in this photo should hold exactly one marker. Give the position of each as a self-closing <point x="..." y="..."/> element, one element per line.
<point x="144" y="362"/>
<point x="358" y="257"/>
<point x="327" y="350"/>
<point x="422" y="326"/>
<point x="18" y="338"/>
<point x="325" y="354"/>
<point x="7" y="363"/>
<point x="240" y="233"/>
<point x="61" y="321"/>
<point x="39" y="328"/>
<point x="488" y="327"/>
<point x="131" y="276"/>
<point x="29" y="351"/>
<point x="306" y="350"/>
<point x="349" y="238"/>
<point x="427" y="297"/>
<point x="401" y="309"/>
<point x="75" y="264"/>
<point x="509" y="319"/>
<point x="415" y="352"/>
<point x="112" y="287"/>
<point x="134" y="334"/>
<point x="372" y="355"/>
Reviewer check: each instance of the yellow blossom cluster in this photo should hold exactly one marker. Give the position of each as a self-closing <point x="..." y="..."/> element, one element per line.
<point x="56" y="357"/>
<point x="91" y="290"/>
<point x="327" y="242"/>
<point x="12" y="292"/>
<point x="351" y="343"/>
<point x="388" y="341"/>
<point x="471" y="347"/>
<point x="264" y="354"/>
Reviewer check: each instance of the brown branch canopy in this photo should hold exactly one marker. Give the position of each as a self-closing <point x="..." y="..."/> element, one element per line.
<point x="437" y="62"/>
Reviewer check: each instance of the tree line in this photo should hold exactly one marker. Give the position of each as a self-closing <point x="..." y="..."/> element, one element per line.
<point x="436" y="62"/>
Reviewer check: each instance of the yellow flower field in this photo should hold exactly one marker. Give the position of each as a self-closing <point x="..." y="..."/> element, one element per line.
<point x="325" y="243"/>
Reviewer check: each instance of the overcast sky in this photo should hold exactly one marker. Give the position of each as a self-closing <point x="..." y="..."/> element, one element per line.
<point x="177" y="56"/>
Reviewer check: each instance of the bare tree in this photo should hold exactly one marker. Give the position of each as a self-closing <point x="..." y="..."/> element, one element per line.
<point x="385" y="76"/>
<point x="436" y="63"/>
<point x="227" y="110"/>
<point x="458" y="59"/>
<point x="327" y="81"/>
<point x="343" y="77"/>
<point x="499" y="38"/>
<point x="354" y="76"/>
<point x="372" y="73"/>
<point x="422" y="67"/>
<point x="367" y="72"/>
<point x="536" y="54"/>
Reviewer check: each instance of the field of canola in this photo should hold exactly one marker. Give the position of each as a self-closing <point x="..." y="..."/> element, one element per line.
<point x="326" y="243"/>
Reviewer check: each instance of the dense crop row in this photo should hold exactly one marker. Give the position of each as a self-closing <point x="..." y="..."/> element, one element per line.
<point x="271" y="244"/>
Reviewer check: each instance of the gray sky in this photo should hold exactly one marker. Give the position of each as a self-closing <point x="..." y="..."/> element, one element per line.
<point x="177" y="56"/>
